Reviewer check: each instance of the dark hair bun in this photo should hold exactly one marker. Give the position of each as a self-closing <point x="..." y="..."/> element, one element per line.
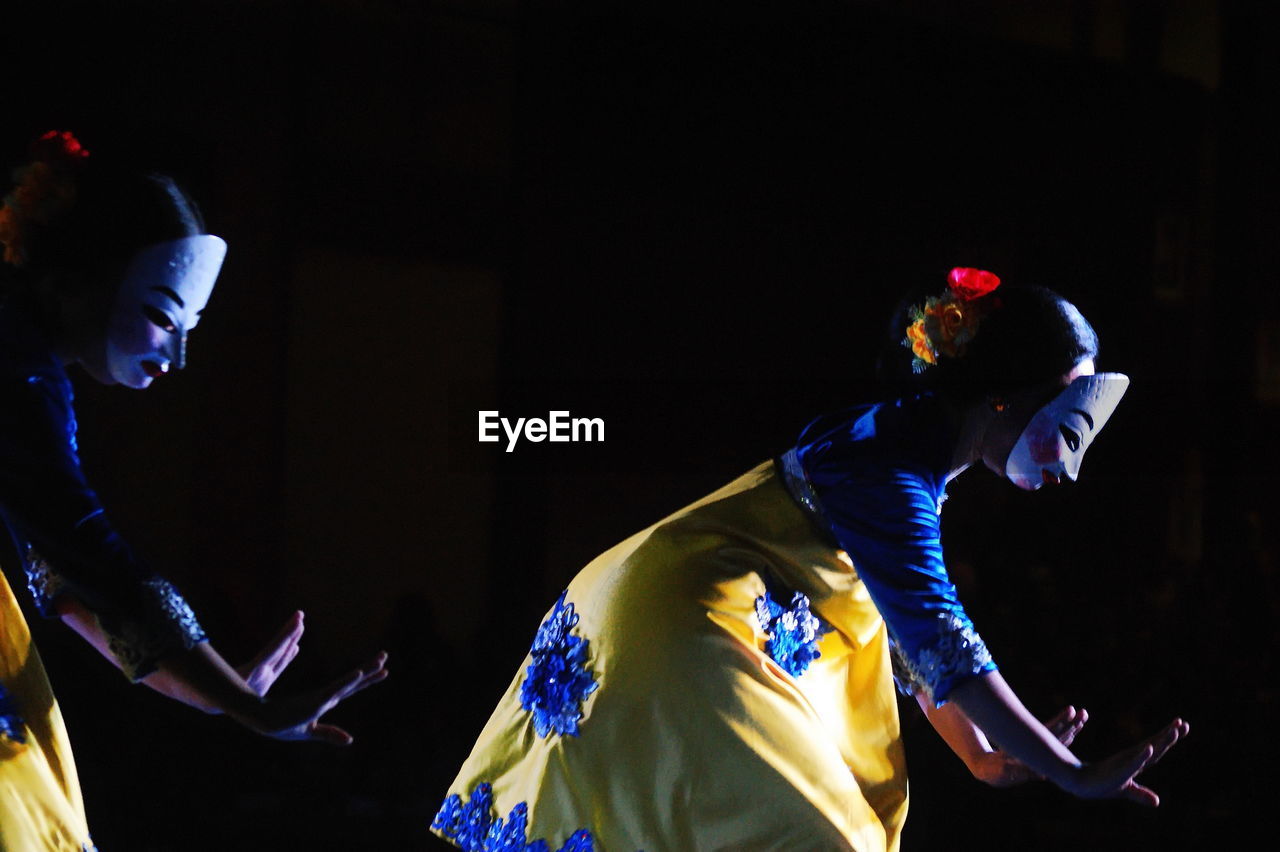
<point x="72" y="213"/>
<point x="1028" y="336"/>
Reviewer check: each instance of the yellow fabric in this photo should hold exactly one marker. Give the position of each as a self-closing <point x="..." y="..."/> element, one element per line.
<point x="40" y="805"/>
<point x="695" y="739"/>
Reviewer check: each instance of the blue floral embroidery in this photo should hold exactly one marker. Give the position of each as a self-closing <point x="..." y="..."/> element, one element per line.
<point x="10" y="721"/>
<point x="793" y="632"/>
<point x="476" y="827"/>
<point x="558" y="680"/>
<point x="579" y="841"/>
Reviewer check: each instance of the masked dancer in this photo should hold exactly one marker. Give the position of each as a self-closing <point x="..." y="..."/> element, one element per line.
<point x="725" y="678"/>
<point x="109" y="270"/>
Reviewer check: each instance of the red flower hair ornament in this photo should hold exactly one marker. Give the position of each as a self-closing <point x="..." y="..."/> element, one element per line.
<point x="944" y="324"/>
<point x="44" y="189"/>
<point x="57" y="146"/>
<point x="969" y="284"/>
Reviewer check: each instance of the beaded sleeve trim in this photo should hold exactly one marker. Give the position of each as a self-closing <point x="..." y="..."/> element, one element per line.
<point x="558" y="681"/>
<point x="135" y="645"/>
<point x="45" y="583"/>
<point x="474" y="826"/>
<point x="904" y="678"/>
<point x="957" y="652"/>
<point x="138" y="646"/>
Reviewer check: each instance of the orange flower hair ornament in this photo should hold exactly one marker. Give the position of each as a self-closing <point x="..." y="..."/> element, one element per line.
<point x="44" y="188"/>
<point x="944" y="324"/>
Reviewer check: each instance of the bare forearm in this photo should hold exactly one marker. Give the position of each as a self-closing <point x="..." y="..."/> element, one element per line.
<point x="198" y="677"/>
<point x="201" y="678"/>
<point x="957" y="730"/>
<point x="995" y="709"/>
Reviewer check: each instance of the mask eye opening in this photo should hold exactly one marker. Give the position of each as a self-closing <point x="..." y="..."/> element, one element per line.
<point x="1071" y="436"/>
<point x="159" y="318"/>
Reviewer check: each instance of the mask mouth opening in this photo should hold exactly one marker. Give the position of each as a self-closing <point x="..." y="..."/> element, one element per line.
<point x="154" y="369"/>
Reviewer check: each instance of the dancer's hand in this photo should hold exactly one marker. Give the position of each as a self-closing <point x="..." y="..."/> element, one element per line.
<point x="1001" y="769"/>
<point x="1114" y="778"/>
<point x="298" y="717"/>
<point x="261" y="672"/>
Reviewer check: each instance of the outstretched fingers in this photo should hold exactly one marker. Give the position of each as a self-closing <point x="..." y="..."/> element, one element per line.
<point x="1116" y="777"/>
<point x="369" y="680"/>
<point x="337" y="692"/>
<point x="332" y="734"/>
<point x="1077" y="725"/>
<point x="284" y="643"/>
<point x="1130" y="768"/>
<point x="341" y="688"/>
<point x="263" y="670"/>
<point x="1138" y="794"/>
<point x="357" y="679"/>
<point x="1144" y="757"/>
<point x="1067" y="724"/>
<point x="1166" y="739"/>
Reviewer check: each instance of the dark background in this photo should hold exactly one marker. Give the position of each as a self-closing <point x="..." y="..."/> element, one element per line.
<point x="691" y="220"/>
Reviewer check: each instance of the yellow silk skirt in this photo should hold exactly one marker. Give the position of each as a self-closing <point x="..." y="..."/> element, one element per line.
<point x="40" y="805"/>
<point x="694" y="738"/>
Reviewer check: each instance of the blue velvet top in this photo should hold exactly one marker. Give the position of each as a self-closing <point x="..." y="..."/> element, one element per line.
<point x="879" y="473"/>
<point x="55" y="518"/>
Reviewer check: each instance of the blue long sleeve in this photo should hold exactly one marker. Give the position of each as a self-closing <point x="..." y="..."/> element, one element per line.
<point x="879" y="473"/>
<point x="57" y="520"/>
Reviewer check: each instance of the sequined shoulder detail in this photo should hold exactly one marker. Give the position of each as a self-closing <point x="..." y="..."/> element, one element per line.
<point x="957" y="652"/>
<point x="558" y="681"/>
<point x="474" y="826"/>
<point x="793" y="632"/>
<point x="802" y="490"/>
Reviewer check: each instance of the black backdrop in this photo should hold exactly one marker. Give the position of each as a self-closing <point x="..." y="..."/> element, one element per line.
<point x="691" y="222"/>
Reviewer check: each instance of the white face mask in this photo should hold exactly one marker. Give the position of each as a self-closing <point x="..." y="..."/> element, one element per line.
<point x="164" y="290"/>
<point x="1052" y="446"/>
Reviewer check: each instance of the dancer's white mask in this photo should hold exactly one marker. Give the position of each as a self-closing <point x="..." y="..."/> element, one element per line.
<point x="165" y="288"/>
<point x="1052" y="445"/>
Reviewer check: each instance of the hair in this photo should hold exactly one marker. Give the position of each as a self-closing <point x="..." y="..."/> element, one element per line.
<point x="102" y="216"/>
<point x="1029" y="336"/>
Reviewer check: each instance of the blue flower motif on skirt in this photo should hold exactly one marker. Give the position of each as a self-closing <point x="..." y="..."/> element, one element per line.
<point x="10" y="721"/>
<point x="558" y="681"/>
<point x="793" y="632"/>
<point x="476" y="827"/>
